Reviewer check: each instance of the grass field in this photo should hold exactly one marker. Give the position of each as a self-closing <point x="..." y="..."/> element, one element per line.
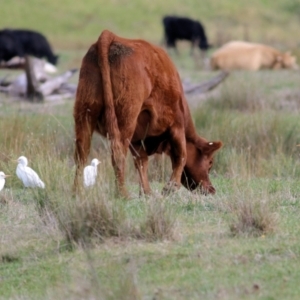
<point x="242" y="243"/>
<point x="76" y="24"/>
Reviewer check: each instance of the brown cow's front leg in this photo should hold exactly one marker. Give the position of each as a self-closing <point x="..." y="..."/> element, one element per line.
<point x="178" y="158"/>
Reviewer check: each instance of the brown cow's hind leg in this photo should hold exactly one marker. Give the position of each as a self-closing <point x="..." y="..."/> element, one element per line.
<point x="84" y="128"/>
<point x="118" y="158"/>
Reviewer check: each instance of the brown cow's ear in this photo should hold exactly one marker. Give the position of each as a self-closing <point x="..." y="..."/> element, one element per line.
<point x="279" y="58"/>
<point x="211" y="147"/>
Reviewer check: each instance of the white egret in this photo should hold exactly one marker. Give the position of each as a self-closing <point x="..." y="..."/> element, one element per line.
<point x="28" y="176"/>
<point x="90" y="173"/>
<point x="2" y="180"/>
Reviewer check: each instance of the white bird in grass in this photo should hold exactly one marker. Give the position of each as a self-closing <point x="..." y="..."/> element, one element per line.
<point x="90" y="173"/>
<point x="2" y="180"/>
<point x="28" y="176"/>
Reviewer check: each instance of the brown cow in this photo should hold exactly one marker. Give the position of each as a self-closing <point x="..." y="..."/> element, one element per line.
<point x="130" y="92"/>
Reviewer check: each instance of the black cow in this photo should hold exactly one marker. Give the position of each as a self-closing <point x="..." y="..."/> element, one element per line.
<point x="9" y="46"/>
<point x="181" y="28"/>
<point x="20" y="42"/>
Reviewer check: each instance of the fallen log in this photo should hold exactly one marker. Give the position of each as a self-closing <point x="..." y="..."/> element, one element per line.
<point x="53" y="84"/>
<point x="36" y="85"/>
<point x="27" y="83"/>
<point x="17" y="63"/>
<point x="60" y="96"/>
<point x="14" y="63"/>
<point x="206" y="86"/>
<point x="3" y="81"/>
<point x="68" y="87"/>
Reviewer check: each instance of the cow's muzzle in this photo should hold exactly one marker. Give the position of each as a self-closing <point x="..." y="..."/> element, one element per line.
<point x="207" y="189"/>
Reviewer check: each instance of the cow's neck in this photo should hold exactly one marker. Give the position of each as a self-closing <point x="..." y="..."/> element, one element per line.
<point x="190" y="130"/>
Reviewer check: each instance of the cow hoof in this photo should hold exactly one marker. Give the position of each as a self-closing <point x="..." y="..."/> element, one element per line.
<point x="170" y="188"/>
<point x="123" y="194"/>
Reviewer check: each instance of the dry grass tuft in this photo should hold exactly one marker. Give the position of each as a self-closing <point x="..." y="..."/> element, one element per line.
<point x="159" y="223"/>
<point x="239" y="93"/>
<point x="128" y="289"/>
<point x="88" y="285"/>
<point x="88" y="219"/>
<point x="103" y="219"/>
<point x="8" y="258"/>
<point x="97" y="216"/>
<point x="5" y="198"/>
<point x="252" y="218"/>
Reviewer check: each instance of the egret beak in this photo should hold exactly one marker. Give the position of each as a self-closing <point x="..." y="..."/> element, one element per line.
<point x="7" y="176"/>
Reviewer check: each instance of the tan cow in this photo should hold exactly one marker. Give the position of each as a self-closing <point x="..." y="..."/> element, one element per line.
<point x="130" y="92"/>
<point x="239" y="55"/>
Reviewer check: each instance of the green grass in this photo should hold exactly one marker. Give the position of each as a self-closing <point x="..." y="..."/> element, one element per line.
<point x="76" y="24"/>
<point x="258" y="167"/>
<point x="257" y="171"/>
<point x="204" y="261"/>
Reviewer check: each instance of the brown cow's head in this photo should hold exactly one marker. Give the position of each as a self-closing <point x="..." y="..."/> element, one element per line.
<point x="198" y="164"/>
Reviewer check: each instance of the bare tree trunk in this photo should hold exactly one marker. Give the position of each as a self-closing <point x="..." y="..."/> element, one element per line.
<point x="33" y="94"/>
<point x="53" y="84"/>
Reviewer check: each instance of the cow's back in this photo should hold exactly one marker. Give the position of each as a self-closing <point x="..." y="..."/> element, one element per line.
<point x="33" y="43"/>
<point x="180" y="27"/>
<point x="143" y="80"/>
<point x="235" y="57"/>
<point x="9" y="46"/>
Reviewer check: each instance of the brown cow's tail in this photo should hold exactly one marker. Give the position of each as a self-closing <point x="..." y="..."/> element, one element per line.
<point x="111" y="124"/>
